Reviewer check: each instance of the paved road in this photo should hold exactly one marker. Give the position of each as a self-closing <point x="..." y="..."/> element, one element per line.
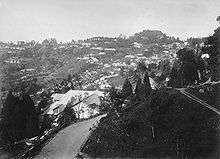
<point x="194" y="98"/>
<point x="67" y="142"/>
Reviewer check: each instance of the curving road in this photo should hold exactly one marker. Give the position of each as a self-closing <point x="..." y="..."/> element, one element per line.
<point x="67" y="142"/>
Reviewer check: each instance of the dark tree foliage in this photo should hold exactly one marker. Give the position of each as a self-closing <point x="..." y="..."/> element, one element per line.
<point x="139" y="90"/>
<point x="147" y="84"/>
<point x="8" y="112"/>
<point x="115" y="99"/>
<point x="194" y="42"/>
<point x="212" y="47"/>
<point x="69" y="78"/>
<point x="184" y="71"/>
<point x="202" y="67"/>
<point x="184" y="122"/>
<point x="78" y="79"/>
<point x="185" y="55"/>
<point x="32" y="127"/>
<point x="20" y="119"/>
<point x="14" y="120"/>
<point x="175" y="76"/>
<point x="189" y="73"/>
<point x="43" y="103"/>
<point x="165" y="68"/>
<point x="46" y="123"/>
<point x="105" y="104"/>
<point x="141" y="67"/>
<point x="126" y="89"/>
<point x="112" y="93"/>
<point x="143" y="87"/>
<point x="67" y="116"/>
<point x="169" y="124"/>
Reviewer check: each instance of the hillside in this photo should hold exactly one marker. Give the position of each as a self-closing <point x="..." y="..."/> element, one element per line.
<point x="50" y="62"/>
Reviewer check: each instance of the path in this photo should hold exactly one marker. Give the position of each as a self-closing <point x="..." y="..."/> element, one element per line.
<point x="67" y="142"/>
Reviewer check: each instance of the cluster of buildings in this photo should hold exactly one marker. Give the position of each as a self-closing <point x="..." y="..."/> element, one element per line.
<point x="109" y="61"/>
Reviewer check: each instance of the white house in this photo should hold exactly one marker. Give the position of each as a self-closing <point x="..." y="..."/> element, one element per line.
<point x="80" y="100"/>
<point x="110" y="49"/>
<point x="137" y="45"/>
<point x="129" y="56"/>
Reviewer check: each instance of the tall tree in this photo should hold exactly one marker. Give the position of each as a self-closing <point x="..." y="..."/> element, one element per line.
<point x="126" y="89"/>
<point x="30" y="114"/>
<point x="143" y="87"/>
<point x="10" y="122"/>
<point x="165" y="68"/>
<point x="175" y="76"/>
<point x="147" y="84"/>
<point x="186" y="71"/>
<point x="212" y="47"/>
<point x="139" y="90"/>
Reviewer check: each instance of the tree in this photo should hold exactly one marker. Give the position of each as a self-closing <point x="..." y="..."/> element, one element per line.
<point x="78" y="79"/>
<point x="139" y="90"/>
<point x="218" y="19"/>
<point x="143" y="87"/>
<point x="45" y="42"/>
<point x="105" y="103"/>
<point x="122" y="71"/>
<point x="8" y="130"/>
<point x="212" y="47"/>
<point x="175" y="76"/>
<point x="147" y="84"/>
<point x="50" y="42"/>
<point x="186" y="71"/>
<point x="31" y="117"/>
<point x="14" y="119"/>
<point x="186" y="55"/>
<point x="69" y="78"/>
<point x="53" y="42"/>
<point x="68" y="115"/>
<point x="189" y="73"/>
<point x="112" y="94"/>
<point x="165" y="67"/>
<point x="141" y="67"/>
<point x="126" y="89"/>
<point x="115" y="100"/>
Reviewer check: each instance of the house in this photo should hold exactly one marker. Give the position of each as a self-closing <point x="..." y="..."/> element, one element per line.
<point x="137" y="45"/>
<point x="13" y="60"/>
<point x="79" y="100"/>
<point x="97" y="48"/>
<point x="110" y="49"/>
<point x="57" y="97"/>
<point x="83" y="110"/>
<point x="102" y="53"/>
<point x="130" y="56"/>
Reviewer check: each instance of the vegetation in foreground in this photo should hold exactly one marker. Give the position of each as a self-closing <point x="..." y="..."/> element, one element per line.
<point x="166" y="125"/>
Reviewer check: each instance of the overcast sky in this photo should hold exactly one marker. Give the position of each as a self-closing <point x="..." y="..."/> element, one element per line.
<point x="79" y="19"/>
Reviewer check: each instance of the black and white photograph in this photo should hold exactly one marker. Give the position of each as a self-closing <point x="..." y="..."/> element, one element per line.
<point x="87" y="79"/>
